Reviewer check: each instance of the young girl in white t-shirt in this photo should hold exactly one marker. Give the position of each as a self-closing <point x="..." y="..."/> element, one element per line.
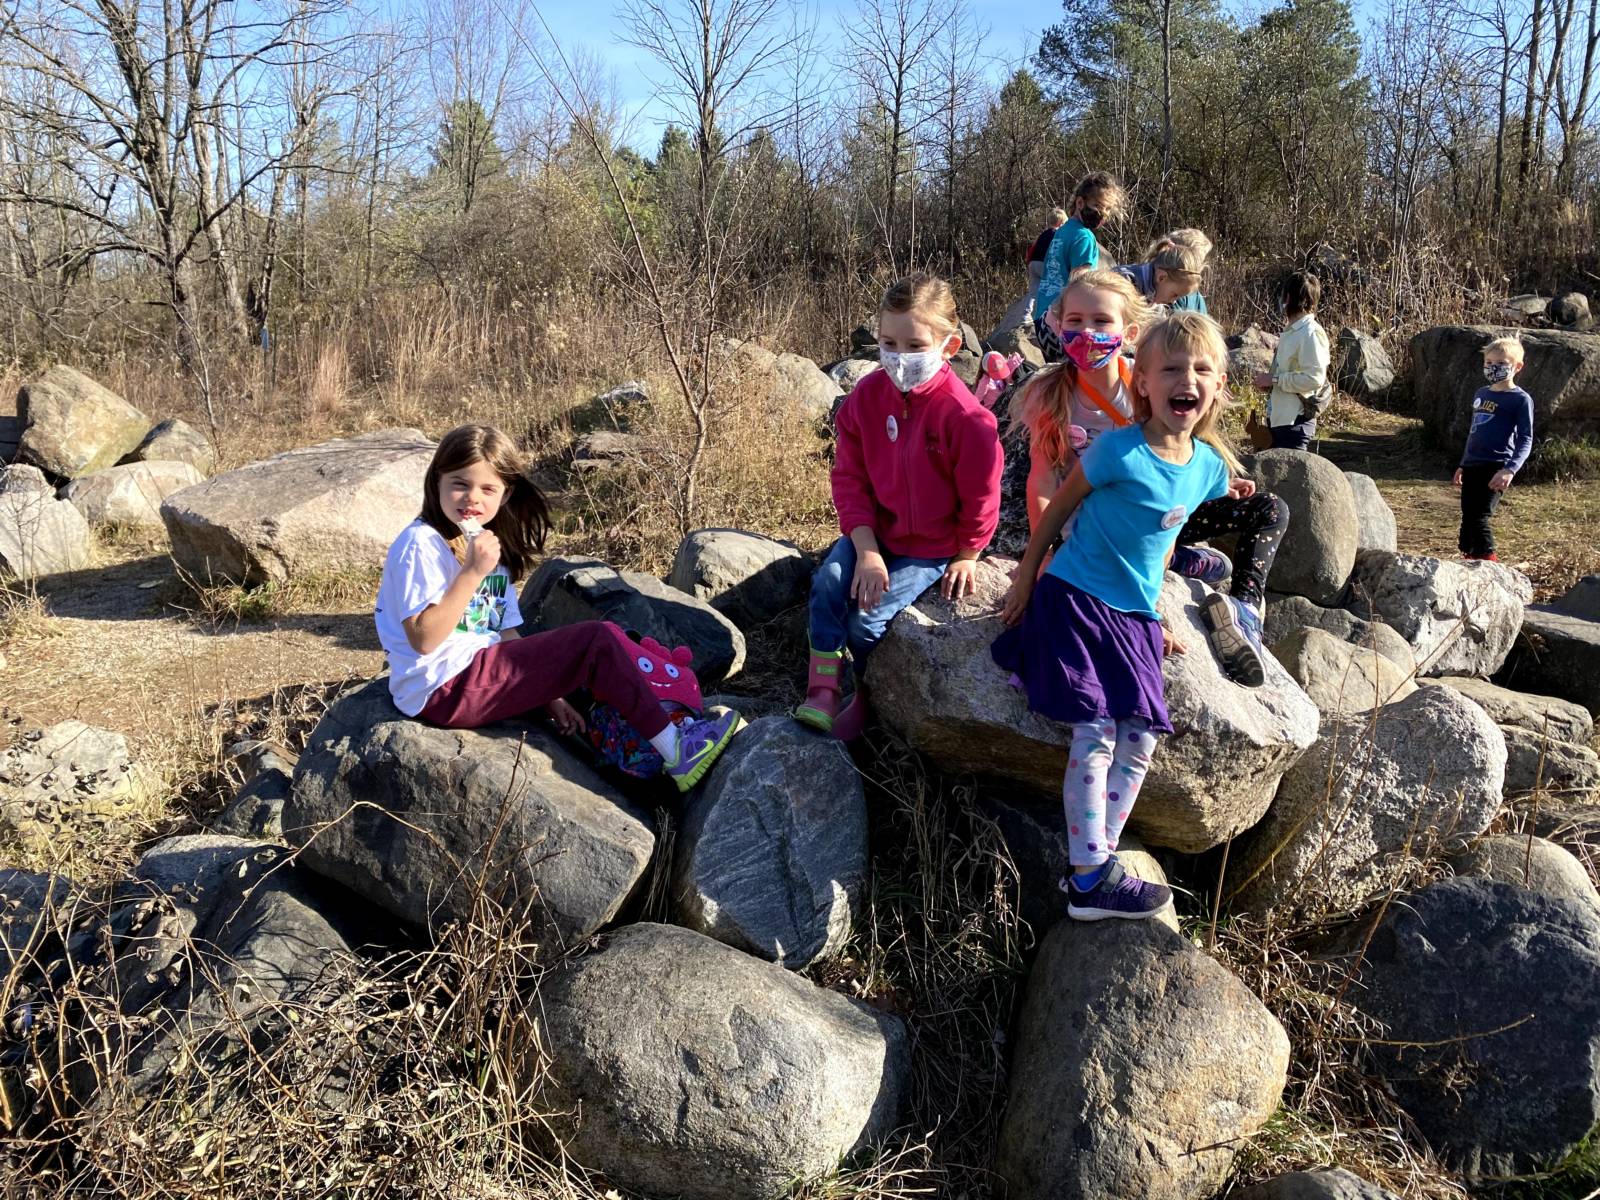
<point x="447" y="616"/>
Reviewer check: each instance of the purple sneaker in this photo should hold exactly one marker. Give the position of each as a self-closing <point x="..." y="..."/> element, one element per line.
<point x="1118" y="894"/>
<point x="1202" y="563"/>
<point x="1236" y="637"/>
<point x="699" y="744"/>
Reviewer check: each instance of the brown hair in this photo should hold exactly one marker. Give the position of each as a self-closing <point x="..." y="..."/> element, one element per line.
<point x="1044" y="406"/>
<point x="1198" y="335"/>
<point x="925" y="296"/>
<point x="1300" y="292"/>
<point x="1102" y="186"/>
<point x="523" y="520"/>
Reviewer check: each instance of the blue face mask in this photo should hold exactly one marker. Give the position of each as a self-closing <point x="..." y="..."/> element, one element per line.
<point x="1497" y="372"/>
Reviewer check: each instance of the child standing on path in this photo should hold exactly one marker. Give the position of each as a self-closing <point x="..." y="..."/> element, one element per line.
<point x="447" y="614"/>
<point x="1498" y="444"/>
<point x="1298" y="380"/>
<point x="1099" y="199"/>
<point x="916" y="481"/>
<point x="1089" y="647"/>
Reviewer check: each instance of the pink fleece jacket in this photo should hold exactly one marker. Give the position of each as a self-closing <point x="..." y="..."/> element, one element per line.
<point x="921" y="469"/>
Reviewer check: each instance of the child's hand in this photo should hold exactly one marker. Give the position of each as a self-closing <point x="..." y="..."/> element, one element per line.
<point x="1241" y="489"/>
<point x="1171" y="643"/>
<point x="483" y="554"/>
<point x="958" y="580"/>
<point x="568" y="720"/>
<point x="1017" y="599"/>
<point x="870" y="581"/>
<point x="1456" y="478"/>
<point x="1500" y="481"/>
<point x="1263" y="380"/>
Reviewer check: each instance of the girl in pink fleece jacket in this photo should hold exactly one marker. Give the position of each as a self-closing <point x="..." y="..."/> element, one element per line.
<point x="916" y="482"/>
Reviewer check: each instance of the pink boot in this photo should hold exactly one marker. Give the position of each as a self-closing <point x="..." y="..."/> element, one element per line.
<point x="852" y="720"/>
<point x="822" y="691"/>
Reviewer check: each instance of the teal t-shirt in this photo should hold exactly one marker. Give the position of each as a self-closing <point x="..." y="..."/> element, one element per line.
<point x="1073" y="246"/>
<point x="1122" y="532"/>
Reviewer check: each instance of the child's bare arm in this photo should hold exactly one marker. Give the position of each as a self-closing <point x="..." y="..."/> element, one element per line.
<point x="1066" y="500"/>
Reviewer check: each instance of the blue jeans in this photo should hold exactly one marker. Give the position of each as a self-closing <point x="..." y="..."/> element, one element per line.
<point x="837" y="622"/>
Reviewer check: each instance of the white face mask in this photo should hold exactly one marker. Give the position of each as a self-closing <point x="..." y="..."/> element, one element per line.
<point x="910" y="371"/>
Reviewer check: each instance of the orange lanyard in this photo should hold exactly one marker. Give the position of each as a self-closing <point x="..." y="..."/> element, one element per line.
<point x="1099" y="400"/>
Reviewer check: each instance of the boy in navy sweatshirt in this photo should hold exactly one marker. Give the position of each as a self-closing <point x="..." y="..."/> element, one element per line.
<point x="1497" y="445"/>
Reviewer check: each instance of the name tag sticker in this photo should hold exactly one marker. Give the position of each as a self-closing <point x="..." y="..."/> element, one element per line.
<point x="893" y="428"/>
<point x="1175" y="517"/>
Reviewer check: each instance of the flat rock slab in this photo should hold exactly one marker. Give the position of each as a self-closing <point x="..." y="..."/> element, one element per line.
<point x="936" y="685"/>
<point x="130" y="494"/>
<point x="567" y="589"/>
<point x="320" y="509"/>
<point x="1489" y="998"/>
<point x="1556" y="654"/>
<point x="412" y="817"/>
<point x="40" y="535"/>
<point x="71" y="425"/>
<point x="699" y="1072"/>
<point x="771" y="855"/>
<point x="1461" y="618"/>
<point x="1140" y="1066"/>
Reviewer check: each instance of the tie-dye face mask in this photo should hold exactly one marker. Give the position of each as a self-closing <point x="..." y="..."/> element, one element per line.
<point x="1090" y="349"/>
<point x="1497" y="372"/>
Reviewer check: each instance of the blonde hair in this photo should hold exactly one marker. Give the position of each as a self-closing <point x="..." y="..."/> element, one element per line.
<point x="1175" y="258"/>
<point x="1113" y="198"/>
<point x="1511" y="347"/>
<point x="1199" y="336"/>
<point x="926" y="297"/>
<point x="1044" y="406"/>
<point x="1194" y="239"/>
<point x="1058" y="217"/>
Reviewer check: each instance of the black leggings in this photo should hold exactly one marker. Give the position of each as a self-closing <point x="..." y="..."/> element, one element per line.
<point x="1259" y="520"/>
<point x="1478" y="502"/>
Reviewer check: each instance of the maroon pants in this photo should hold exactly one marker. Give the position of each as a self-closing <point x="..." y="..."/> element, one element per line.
<point x="512" y="678"/>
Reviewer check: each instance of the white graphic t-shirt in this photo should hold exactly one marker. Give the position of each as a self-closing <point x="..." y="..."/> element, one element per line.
<point x="419" y="569"/>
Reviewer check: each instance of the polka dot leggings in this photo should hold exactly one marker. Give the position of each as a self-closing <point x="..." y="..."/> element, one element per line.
<point x="1105" y="770"/>
<point x="1260" y="522"/>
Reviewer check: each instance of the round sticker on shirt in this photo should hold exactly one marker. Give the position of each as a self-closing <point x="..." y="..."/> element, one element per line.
<point x="893" y="428"/>
<point x="1175" y="516"/>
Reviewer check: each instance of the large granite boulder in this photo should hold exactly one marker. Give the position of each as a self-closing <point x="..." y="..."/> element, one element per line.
<point x="1555" y="654"/>
<point x="567" y="589"/>
<point x="1250" y="352"/>
<point x="935" y="684"/>
<point x="71" y="425"/>
<point x="1376" y="528"/>
<point x="415" y="817"/>
<point x="771" y="855"/>
<point x="747" y="577"/>
<point x="1319" y="549"/>
<point x="1562" y="720"/>
<point x="130" y="494"/>
<point x="1287" y="615"/>
<point x="1420" y="776"/>
<point x="66" y="778"/>
<point x="1537" y="762"/>
<point x="1488" y="1000"/>
<point x="177" y="441"/>
<point x="783" y="382"/>
<point x="1139" y="1068"/>
<point x="692" y="1070"/>
<point x="40" y="535"/>
<point x="1461" y="618"/>
<point x="1361" y="366"/>
<point x="1529" y="862"/>
<point x="1340" y="677"/>
<point x="1561" y="373"/>
<point x="327" y="508"/>
<point x="1582" y="599"/>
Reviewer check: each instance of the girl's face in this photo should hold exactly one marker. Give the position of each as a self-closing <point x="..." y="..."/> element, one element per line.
<point x="474" y="491"/>
<point x="1096" y="309"/>
<point x="1173" y="285"/>
<point x="910" y="333"/>
<point x="1181" y="387"/>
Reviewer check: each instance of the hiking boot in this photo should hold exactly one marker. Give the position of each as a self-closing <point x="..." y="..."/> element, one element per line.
<point x="1202" y="563"/>
<point x="699" y="744"/>
<point x="1118" y="894"/>
<point x="822" y="691"/>
<point x="1236" y="637"/>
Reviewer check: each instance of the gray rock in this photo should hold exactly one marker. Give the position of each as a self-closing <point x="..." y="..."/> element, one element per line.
<point x="699" y="1072"/>
<point x="1529" y="862"/>
<point x="177" y="441"/>
<point x="967" y="366"/>
<point x="935" y="684"/>
<point x="848" y="372"/>
<point x="1536" y="762"/>
<point x="1317" y="552"/>
<point x="30" y="907"/>
<point x="411" y="816"/>
<point x="1562" y="374"/>
<point x="570" y="588"/>
<point x="130" y="494"/>
<point x="24" y="479"/>
<point x="1375" y="524"/>
<point x="10" y="437"/>
<point x="1488" y="996"/>
<point x="1417" y="777"/>
<point x="256" y="811"/>
<point x="747" y="577"/>
<point x="1563" y="720"/>
<point x="771" y="855"/>
<point x="1018" y="339"/>
<point x="1140" y="1067"/>
<point x="1555" y="654"/>
<point x="71" y="425"/>
<point x="1461" y="618"/>
<point x="784" y="382"/>
<point x="40" y="535"/>
<point x="623" y="404"/>
<point x="251" y="756"/>
<point x="1582" y="599"/>
<point x="751" y="708"/>
<point x="1250" y="352"/>
<point x="1288" y="614"/>
<point x="1340" y="677"/>
<point x="1570" y="310"/>
<point x="1361" y="366"/>
<point x="327" y="508"/>
<point x="1525" y="308"/>
<point x="1327" y="1183"/>
<point x="601" y="448"/>
<point x="67" y="776"/>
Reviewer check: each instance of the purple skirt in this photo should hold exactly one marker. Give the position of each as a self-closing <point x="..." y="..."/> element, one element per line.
<point x="1081" y="660"/>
